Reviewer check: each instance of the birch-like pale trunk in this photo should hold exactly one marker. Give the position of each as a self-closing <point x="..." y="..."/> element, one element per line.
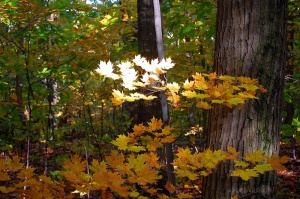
<point x="163" y="98"/>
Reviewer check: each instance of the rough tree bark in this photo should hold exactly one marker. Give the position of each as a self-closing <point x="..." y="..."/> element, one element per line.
<point x="250" y="41"/>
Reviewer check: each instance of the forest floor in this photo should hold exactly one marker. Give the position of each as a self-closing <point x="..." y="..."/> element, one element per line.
<point x="288" y="180"/>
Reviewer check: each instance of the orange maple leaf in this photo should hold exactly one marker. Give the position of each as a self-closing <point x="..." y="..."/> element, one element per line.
<point x="277" y="162"/>
<point x="154" y="125"/>
<point x="154" y="144"/>
<point x="115" y="159"/>
<point x="233" y="154"/>
<point x="170" y="187"/>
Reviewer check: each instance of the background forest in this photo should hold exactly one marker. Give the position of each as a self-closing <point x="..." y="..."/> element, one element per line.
<point x="73" y="126"/>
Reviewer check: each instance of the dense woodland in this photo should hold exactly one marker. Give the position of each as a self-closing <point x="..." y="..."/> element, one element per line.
<point x="149" y="99"/>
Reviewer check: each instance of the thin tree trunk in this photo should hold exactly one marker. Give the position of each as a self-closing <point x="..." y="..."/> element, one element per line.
<point x="250" y="41"/>
<point x="163" y="98"/>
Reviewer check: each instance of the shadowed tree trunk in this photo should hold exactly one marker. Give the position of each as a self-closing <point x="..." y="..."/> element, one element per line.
<point x="250" y="41"/>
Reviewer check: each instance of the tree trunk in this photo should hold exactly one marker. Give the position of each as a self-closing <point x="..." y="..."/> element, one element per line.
<point x="250" y="41"/>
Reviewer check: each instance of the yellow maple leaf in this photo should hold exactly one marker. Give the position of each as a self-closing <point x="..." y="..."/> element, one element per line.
<point x="261" y="168"/>
<point x="174" y="87"/>
<point x="245" y="174"/>
<point x="227" y="78"/>
<point x="188" y="85"/>
<point x="203" y="105"/>
<point x="193" y="94"/>
<point x="185" y="173"/>
<point x="121" y="142"/>
<point x="154" y="124"/>
<point x="136" y="149"/>
<point x="241" y="164"/>
<point x="201" y="85"/>
<point x="235" y="101"/>
<point x="247" y="80"/>
<point x="166" y="130"/>
<point x="256" y="157"/>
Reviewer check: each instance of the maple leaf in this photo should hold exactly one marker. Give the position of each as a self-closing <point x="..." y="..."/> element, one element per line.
<point x="235" y="101"/>
<point x="163" y="196"/>
<point x="106" y="69"/>
<point x="174" y="87"/>
<point x="185" y="173"/>
<point x="25" y="174"/>
<point x="154" y="124"/>
<point x="249" y="87"/>
<point x="168" y="139"/>
<point x="15" y="164"/>
<point x="201" y="85"/>
<point x="247" y="80"/>
<point x="262" y="89"/>
<point x="173" y="98"/>
<point x="217" y="101"/>
<point x="4" y="176"/>
<point x="152" y="159"/>
<point x="235" y="197"/>
<point x="193" y="94"/>
<point x="166" y="130"/>
<point x="245" y="174"/>
<point x="121" y="142"/>
<point x="115" y="159"/>
<point x="129" y="76"/>
<point x="188" y="85"/>
<point x="4" y="189"/>
<point x="166" y="64"/>
<point x="118" y="97"/>
<point x="154" y="144"/>
<point x="233" y="154"/>
<point x="277" y="162"/>
<point x="184" y="195"/>
<point x="151" y="191"/>
<point x="138" y="130"/>
<point x="227" y="78"/>
<point x="75" y="164"/>
<point x="145" y="175"/>
<point x="261" y="168"/>
<point x="203" y="105"/>
<point x="136" y="149"/>
<point x="256" y="157"/>
<point x="170" y="187"/>
<point x="97" y="166"/>
<point x="241" y="164"/>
